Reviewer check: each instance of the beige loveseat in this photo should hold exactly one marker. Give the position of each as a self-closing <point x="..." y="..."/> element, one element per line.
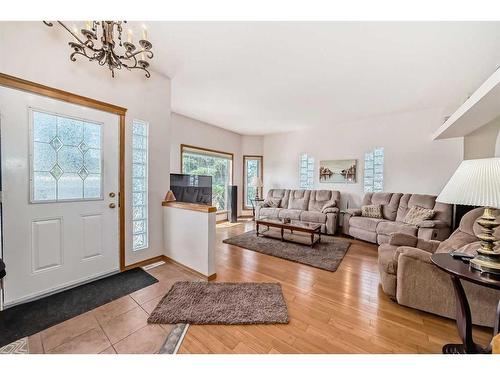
<point x="395" y="206"/>
<point x="408" y="276"/>
<point x="313" y="206"/>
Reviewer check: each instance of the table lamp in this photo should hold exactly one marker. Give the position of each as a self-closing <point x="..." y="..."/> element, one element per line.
<point x="477" y="183"/>
<point x="257" y="183"/>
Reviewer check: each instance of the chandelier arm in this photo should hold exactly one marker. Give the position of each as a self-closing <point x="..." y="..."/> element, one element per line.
<point x="137" y="66"/>
<point x="148" y="54"/>
<point x="87" y="43"/>
<point x="80" y="52"/>
<point x="147" y="73"/>
<point x="107" y="54"/>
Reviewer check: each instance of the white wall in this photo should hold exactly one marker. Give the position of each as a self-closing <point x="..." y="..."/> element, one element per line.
<point x="497" y="146"/>
<point x="186" y="130"/>
<point x="32" y="51"/>
<point x="413" y="162"/>
<point x="483" y="142"/>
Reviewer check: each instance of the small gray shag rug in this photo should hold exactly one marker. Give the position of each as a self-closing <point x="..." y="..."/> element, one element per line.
<point x="221" y="303"/>
<point x="326" y="255"/>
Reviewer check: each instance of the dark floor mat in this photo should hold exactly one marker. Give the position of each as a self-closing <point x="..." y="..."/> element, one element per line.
<point x="32" y="317"/>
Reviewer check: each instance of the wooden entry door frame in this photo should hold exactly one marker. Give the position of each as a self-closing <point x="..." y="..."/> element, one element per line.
<point x="50" y="92"/>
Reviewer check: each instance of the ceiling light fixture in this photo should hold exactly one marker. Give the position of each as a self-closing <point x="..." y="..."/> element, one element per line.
<point x="107" y="54"/>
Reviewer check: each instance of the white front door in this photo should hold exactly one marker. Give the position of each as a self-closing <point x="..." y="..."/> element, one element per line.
<point x="60" y="194"/>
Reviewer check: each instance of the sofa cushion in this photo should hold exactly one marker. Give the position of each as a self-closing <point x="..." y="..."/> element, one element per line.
<point x="389" y="202"/>
<point x="408" y="201"/>
<point x="269" y="212"/>
<point x="366" y="223"/>
<point x="417" y="214"/>
<point x="389" y="227"/>
<point x="281" y="194"/>
<point x="313" y="217"/>
<point x="272" y="202"/>
<point x="299" y="199"/>
<point x="372" y="210"/>
<point x="318" y="199"/>
<point x="286" y="213"/>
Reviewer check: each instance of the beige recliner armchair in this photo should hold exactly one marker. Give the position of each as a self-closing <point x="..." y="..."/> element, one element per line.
<point x="408" y="276"/>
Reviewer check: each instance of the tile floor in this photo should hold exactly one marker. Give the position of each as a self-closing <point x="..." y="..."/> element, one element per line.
<point x="117" y="327"/>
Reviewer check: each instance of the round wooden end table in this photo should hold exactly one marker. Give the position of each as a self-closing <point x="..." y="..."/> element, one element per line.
<point x="460" y="270"/>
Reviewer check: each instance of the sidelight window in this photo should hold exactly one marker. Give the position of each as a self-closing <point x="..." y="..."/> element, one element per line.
<point x="140" y="223"/>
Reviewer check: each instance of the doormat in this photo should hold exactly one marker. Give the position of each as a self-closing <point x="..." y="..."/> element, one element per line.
<point x="35" y="316"/>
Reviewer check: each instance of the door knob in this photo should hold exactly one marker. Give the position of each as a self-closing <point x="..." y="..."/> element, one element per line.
<point x="112" y="205"/>
<point x="112" y="195"/>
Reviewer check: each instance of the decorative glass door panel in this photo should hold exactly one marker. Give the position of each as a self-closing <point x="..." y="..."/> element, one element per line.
<point x="66" y="158"/>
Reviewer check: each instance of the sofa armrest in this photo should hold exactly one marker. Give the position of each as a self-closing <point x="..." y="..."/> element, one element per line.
<point x="353" y="211"/>
<point x="402" y="239"/>
<point x="428" y="245"/>
<point x="330" y="210"/>
<point x="432" y="224"/>
<point x="415" y="254"/>
<point x="434" y="233"/>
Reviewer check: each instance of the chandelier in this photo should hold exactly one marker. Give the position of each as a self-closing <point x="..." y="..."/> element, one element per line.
<point x="108" y="53"/>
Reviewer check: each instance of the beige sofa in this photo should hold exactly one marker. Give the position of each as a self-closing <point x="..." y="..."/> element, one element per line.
<point x="313" y="206"/>
<point x="408" y="276"/>
<point x="395" y="206"/>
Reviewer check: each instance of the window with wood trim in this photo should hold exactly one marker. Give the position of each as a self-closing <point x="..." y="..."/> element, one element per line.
<point x="252" y="177"/>
<point x="218" y="164"/>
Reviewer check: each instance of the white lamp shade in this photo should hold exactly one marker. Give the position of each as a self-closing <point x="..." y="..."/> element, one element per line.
<point x="256" y="182"/>
<point x="474" y="183"/>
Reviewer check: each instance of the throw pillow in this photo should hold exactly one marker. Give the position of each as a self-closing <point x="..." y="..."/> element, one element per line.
<point x="272" y="202"/>
<point x="329" y="204"/>
<point x="417" y="214"/>
<point x="372" y="210"/>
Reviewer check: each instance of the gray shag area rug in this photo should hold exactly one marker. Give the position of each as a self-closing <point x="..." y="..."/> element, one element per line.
<point x="326" y="255"/>
<point x="221" y="303"/>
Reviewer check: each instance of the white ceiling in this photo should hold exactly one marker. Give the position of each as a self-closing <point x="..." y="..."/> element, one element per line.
<point x="266" y="77"/>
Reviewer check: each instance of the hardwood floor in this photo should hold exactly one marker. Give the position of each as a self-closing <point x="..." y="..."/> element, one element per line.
<point x="330" y="312"/>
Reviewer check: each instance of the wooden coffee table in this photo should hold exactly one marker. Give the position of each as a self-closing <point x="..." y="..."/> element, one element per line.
<point x="311" y="228"/>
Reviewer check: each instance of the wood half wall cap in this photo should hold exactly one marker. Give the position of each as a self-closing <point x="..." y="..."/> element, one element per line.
<point x="190" y="206"/>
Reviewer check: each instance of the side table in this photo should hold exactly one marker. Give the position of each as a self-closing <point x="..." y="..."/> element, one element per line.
<point x="460" y="270"/>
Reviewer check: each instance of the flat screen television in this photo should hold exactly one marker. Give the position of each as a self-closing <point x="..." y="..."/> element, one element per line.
<point x="191" y="188"/>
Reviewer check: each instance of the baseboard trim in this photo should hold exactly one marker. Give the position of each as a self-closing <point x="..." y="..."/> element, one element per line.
<point x="166" y="259"/>
<point x="145" y="262"/>
<point x="190" y="270"/>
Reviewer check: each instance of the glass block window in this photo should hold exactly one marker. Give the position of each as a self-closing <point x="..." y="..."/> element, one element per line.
<point x="306" y="172"/>
<point x="66" y="158"/>
<point x="139" y="185"/>
<point x="374" y="170"/>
